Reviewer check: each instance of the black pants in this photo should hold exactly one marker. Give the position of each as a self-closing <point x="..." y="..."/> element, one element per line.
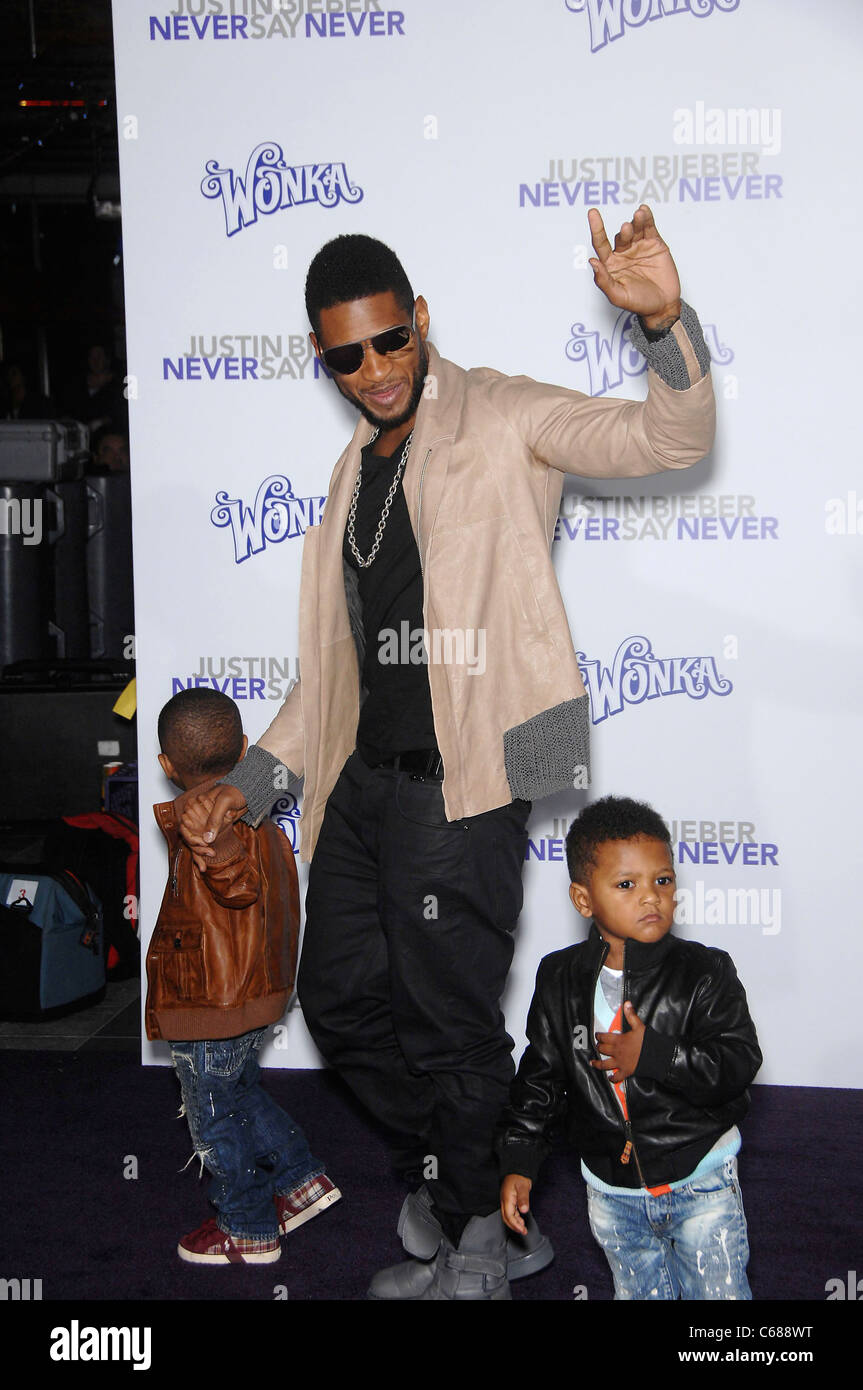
<point x="408" y="940"/>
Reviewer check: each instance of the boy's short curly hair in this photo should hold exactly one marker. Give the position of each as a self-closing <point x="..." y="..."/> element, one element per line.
<point x="354" y="267"/>
<point x="610" y="818"/>
<point x="201" y="732"/>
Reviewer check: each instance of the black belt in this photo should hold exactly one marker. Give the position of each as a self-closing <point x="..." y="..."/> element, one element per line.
<point x="420" y="762"/>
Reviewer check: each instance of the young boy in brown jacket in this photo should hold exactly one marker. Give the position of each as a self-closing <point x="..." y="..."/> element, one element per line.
<point x="220" y="969"/>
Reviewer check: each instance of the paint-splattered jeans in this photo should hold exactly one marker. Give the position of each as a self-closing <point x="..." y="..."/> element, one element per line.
<point x="252" y="1148"/>
<point x="690" y="1243"/>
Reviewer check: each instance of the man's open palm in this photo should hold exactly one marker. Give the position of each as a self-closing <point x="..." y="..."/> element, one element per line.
<point x="638" y="273"/>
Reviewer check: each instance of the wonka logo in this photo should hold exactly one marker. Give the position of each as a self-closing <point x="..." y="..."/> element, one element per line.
<point x="286" y="815"/>
<point x="275" y="515"/>
<point x="636" y="675"/>
<point x="609" y="19"/>
<point x="610" y="359"/>
<point x="271" y="184"/>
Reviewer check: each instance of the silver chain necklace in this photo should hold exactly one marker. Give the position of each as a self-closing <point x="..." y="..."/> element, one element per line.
<point x="387" y="504"/>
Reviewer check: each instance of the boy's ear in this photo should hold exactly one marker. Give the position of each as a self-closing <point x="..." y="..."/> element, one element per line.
<point x="579" y="895"/>
<point x="170" y="770"/>
<point x="244" y="747"/>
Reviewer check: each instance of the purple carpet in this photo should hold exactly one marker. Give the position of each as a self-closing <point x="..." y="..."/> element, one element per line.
<point x="75" y="1124"/>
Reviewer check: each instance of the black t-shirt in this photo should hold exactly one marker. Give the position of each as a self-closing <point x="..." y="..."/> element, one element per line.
<point x="396" y="714"/>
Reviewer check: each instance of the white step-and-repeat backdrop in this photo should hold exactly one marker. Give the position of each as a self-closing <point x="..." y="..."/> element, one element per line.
<point x="718" y="611"/>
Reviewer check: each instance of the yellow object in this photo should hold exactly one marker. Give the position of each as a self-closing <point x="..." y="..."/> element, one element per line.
<point x="127" y="702"/>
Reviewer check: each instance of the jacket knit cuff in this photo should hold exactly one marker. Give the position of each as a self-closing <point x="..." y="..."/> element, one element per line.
<point x="657" y="1050"/>
<point x="666" y="357"/>
<point x="515" y="1156"/>
<point x="255" y="777"/>
<point x="549" y="751"/>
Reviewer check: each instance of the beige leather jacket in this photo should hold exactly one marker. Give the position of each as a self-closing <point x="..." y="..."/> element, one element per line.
<point x="483" y="486"/>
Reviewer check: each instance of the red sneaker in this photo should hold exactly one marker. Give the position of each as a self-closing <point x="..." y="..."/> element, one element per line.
<point x="211" y="1246"/>
<point x="305" y="1202"/>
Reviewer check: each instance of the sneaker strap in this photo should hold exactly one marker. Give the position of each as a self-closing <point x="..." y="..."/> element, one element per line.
<point x="476" y="1264"/>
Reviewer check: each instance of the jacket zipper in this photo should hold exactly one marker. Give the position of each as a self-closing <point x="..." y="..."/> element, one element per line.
<point x="265" y="896"/>
<point x="174" y="871"/>
<point x="629" y="1149"/>
<point x="178" y="940"/>
<point x="605" y="949"/>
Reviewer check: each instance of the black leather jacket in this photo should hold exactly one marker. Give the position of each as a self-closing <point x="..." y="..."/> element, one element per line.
<point x="699" y="1055"/>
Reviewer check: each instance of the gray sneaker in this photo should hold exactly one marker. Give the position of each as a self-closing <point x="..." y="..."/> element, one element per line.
<point x="421" y="1235"/>
<point x="477" y="1269"/>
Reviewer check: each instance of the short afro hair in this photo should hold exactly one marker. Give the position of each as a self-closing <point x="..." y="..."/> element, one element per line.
<point x="610" y="818"/>
<point x="354" y="267"/>
<point x="201" y="732"/>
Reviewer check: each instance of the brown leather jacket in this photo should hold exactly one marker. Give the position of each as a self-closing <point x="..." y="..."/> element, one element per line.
<point x="223" y="956"/>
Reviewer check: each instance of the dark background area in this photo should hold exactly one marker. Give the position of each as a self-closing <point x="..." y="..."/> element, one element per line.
<point x="61" y="294"/>
<point x="60" y="230"/>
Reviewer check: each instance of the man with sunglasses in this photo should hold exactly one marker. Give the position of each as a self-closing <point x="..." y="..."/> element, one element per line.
<point x="440" y="695"/>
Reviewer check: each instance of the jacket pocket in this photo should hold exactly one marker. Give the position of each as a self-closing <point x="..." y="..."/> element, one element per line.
<point x="716" y="1180"/>
<point x="177" y="959"/>
<point x="228" y="1056"/>
<point x="421" y="803"/>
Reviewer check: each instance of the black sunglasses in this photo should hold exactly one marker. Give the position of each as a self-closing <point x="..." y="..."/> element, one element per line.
<point x="348" y="358"/>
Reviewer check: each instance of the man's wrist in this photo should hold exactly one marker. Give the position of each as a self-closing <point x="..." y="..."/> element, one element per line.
<point x="656" y="326"/>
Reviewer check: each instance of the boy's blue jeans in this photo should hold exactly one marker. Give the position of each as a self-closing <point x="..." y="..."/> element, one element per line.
<point x="690" y="1243"/>
<point x="252" y="1148"/>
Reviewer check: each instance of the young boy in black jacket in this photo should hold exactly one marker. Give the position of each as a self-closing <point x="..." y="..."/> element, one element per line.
<point x="653" y="1106"/>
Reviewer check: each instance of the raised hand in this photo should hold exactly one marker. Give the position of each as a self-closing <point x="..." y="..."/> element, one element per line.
<point x="638" y="273"/>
